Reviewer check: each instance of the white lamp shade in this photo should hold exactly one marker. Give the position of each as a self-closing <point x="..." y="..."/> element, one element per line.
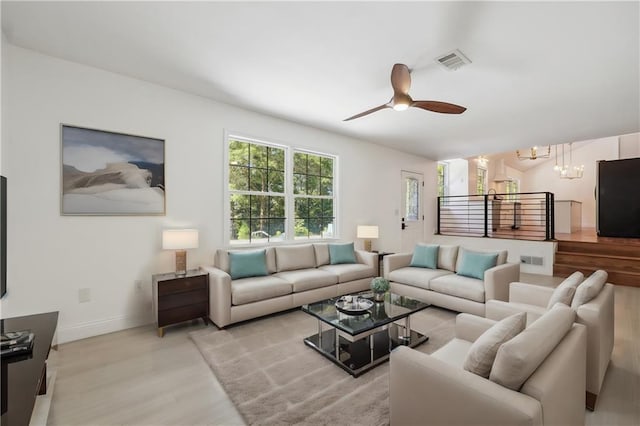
<point x="367" y="231"/>
<point x="179" y="239"/>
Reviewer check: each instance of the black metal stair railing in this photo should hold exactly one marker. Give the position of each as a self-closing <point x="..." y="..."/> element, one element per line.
<point x="522" y="216"/>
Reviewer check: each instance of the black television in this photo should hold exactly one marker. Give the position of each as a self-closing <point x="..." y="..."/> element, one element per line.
<point x="3" y="235"/>
<point x="618" y="198"/>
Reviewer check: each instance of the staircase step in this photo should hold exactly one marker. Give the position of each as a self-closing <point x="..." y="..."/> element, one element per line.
<point x="599" y="261"/>
<point x="615" y="277"/>
<point x="614" y="249"/>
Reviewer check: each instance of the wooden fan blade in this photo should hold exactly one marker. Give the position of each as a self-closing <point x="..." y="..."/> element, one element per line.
<point x="442" y="107"/>
<point x="362" y="114"/>
<point x="400" y="79"/>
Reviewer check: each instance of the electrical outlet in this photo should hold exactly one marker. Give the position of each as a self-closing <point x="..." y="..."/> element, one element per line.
<point x="525" y="259"/>
<point x="84" y="295"/>
<point x="138" y="284"/>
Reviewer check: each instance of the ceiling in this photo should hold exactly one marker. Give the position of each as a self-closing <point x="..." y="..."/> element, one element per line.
<point x="541" y="72"/>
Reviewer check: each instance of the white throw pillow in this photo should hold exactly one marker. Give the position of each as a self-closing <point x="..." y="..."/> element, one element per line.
<point x="518" y="358"/>
<point x="447" y="257"/>
<point x="565" y="291"/>
<point x="482" y="353"/>
<point x="589" y="288"/>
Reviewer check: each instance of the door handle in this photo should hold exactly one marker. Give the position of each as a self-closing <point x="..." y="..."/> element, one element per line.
<point x="403" y="225"/>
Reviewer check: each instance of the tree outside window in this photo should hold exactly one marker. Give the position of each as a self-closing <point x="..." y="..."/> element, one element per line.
<point x="481" y="180"/>
<point x="260" y="194"/>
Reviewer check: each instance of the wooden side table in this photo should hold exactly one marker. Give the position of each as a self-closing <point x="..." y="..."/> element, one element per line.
<point x="381" y="254"/>
<point x="178" y="298"/>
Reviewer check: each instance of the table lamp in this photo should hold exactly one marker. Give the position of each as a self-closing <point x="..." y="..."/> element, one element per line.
<point x="367" y="232"/>
<point x="180" y="240"/>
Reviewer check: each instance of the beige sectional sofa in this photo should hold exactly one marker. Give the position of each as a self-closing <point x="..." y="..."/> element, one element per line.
<point x="537" y="377"/>
<point x="297" y="275"/>
<point x="443" y="287"/>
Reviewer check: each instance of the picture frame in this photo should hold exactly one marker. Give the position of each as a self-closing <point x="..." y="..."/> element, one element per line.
<point x="106" y="173"/>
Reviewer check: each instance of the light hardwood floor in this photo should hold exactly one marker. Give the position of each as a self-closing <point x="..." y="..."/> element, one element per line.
<point x="132" y="377"/>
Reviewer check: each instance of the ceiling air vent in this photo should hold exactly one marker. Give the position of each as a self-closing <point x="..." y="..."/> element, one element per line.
<point x="453" y="60"/>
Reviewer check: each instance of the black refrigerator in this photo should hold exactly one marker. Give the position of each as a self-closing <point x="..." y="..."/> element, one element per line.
<point x="618" y="198"/>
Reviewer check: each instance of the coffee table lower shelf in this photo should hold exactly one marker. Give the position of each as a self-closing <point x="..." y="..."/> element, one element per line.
<point x="359" y="356"/>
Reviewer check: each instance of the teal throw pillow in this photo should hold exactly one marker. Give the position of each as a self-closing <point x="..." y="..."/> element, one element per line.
<point x="425" y="256"/>
<point x="474" y="264"/>
<point x="341" y="253"/>
<point x="247" y="264"/>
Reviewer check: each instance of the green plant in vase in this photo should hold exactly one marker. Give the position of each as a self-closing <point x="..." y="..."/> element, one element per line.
<point x="379" y="286"/>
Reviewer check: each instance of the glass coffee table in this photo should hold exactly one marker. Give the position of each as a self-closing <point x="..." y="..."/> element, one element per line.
<point x="358" y="342"/>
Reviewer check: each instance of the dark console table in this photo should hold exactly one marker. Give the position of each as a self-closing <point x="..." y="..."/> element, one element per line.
<point x="24" y="376"/>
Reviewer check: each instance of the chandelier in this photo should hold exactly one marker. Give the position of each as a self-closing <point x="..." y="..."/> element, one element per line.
<point x="568" y="171"/>
<point x="534" y="153"/>
<point x="482" y="161"/>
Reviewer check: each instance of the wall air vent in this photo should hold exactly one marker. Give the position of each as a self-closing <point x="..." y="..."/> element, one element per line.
<point x="453" y="60"/>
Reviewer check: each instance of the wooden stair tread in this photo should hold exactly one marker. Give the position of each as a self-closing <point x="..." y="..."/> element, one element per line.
<point x="603" y="255"/>
<point x="595" y="268"/>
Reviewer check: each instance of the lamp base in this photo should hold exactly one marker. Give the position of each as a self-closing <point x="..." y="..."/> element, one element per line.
<point x="367" y="245"/>
<point x="181" y="262"/>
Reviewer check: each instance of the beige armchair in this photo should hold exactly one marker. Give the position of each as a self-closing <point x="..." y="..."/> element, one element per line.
<point x="435" y="389"/>
<point x="596" y="315"/>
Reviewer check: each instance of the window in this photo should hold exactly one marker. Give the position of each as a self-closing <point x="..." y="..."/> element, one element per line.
<point x="313" y="195"/>
<point x="512" y="187"/>
<point x="266" y="187"/>
<point x="481" y="180"/>
<point x="443" y="181"/>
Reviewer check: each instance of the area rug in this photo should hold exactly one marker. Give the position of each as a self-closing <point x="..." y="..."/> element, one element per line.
<point x="274" y="378"/>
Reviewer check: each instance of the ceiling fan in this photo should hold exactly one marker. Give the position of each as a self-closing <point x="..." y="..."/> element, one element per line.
<point x="401" y="82"/>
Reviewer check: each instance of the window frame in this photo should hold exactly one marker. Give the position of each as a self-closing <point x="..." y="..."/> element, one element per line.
<point x="445" y="181"/>
<point x="289" y="196"/>
<point x="484" y="180"/>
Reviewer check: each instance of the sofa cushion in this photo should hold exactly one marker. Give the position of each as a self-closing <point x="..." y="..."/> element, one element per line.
<point x="474" y="264"/>
<point x="250" y="263"/>
<point x="454" y="352"/>
<point x="482" y="353"/>
<point x="518" y="358"/>
<point x="502" y="255"/>
<point x="447" y="256"/>
<point x="565" y="291"/>
<point x="417" y="277"/>
<point x="221" y="259"/>
<point x="308" y="279"/>
<point x="425" y="256"/>
<point x="322" y="253"/>
<point x="341" y="253"/>
<point x="589" y="288"/>
<point x="349" y="271"/>
<point x="290" y="258"/>
<point x="459" y="286"/>
<point x="253" y="289"/>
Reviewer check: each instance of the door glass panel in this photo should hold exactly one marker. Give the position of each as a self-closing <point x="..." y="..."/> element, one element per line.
<point x="412" y="199"/>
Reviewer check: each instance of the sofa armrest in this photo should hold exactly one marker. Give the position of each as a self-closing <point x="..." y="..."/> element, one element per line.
<point x="219" y="296"/>
<point x="368" y="258"/>
<point x="395" y="261"/>
<point x="498" y="309"/>
<point x="530" y="294"/>
<point x="470" y="327"/>
<point x="598" y="317"/>
<point x="426" y="389"/>
<point x="497" y="279"/>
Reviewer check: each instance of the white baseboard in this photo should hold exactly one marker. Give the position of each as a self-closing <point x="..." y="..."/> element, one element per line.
<point x="98" y="327"/>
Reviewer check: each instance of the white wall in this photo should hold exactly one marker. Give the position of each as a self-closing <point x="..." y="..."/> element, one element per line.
<point x="458" y="177"/>
<point x="51" y="257"/>
<point x="629" y="146"/>
<point x="543" y="178"/>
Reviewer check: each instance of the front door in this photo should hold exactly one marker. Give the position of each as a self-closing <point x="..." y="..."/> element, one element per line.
<point x="411" y="210"/>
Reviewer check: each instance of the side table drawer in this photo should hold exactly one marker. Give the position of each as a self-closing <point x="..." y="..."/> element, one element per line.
<point x="182" y="313"/>
<point x="182" y="299"/>
<point x="181" y="285"/>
